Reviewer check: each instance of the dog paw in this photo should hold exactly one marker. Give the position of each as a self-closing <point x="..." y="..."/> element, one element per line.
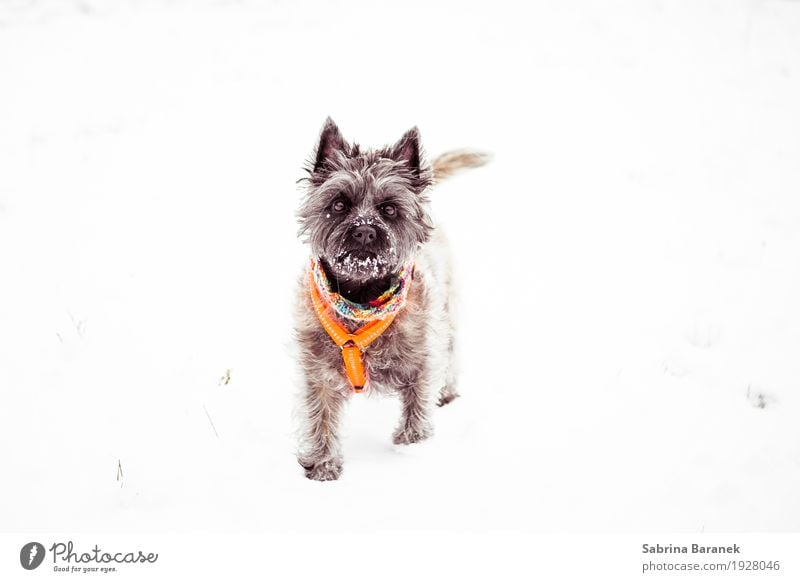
<point x="446" y="398"/>
<point x="411" y="434"/>
<point x="328" y="470"/>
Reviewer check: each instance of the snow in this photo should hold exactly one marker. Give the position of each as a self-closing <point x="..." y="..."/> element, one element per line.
<point x="629" y="263"/>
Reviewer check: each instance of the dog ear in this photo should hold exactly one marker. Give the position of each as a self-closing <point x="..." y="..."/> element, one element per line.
<point x="407" y="150"/>
<point x="330" y="142"/>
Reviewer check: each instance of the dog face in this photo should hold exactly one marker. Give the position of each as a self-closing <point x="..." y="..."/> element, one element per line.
<point x="364" y="213"/>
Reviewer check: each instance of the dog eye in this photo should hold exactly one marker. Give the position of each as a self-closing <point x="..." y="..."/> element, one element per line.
<point x="339" y="205"/>
<point x="389" y="209"/>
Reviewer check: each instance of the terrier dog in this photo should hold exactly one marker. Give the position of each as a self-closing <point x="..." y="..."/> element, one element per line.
<point x="374" y="309"/>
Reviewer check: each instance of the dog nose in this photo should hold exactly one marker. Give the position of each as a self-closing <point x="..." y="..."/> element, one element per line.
<point x="364" y="234"/>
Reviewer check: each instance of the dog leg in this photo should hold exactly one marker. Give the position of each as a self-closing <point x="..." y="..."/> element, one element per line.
<point x="448" y="393"/>
<point x="415" y="423"/>
<point x="321" y="457"/>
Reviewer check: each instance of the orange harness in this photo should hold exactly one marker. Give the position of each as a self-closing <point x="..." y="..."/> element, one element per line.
<point x="351" y="344"/>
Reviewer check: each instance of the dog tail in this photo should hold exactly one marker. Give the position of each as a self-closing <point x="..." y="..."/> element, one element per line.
<point x="450" y="163"/>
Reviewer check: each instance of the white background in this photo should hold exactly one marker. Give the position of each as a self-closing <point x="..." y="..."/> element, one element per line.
<point x="629" y="264"/>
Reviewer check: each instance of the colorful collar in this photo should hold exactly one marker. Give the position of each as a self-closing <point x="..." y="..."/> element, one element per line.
<point x="378" y="315"/>
<point x="390" y="302"/>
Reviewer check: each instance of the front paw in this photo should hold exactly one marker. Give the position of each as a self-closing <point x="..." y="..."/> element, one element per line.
<point x="327" y="470"/>
<point x="446" y="397"/>
<point x="406" y="435"/>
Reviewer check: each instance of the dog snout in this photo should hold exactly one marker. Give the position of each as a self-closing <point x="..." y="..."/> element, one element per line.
<point x="364" y="234"/>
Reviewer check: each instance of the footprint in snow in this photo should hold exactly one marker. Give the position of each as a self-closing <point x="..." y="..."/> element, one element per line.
<point x="758" y="398"/>
<point x="676" y="368"/>
<point x="704" y="335"/>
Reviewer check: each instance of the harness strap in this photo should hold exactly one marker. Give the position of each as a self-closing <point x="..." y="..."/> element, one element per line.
<point x="351" y="344"/>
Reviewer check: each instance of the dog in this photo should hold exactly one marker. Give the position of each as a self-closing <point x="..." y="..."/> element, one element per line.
<point x="374" y="308"/>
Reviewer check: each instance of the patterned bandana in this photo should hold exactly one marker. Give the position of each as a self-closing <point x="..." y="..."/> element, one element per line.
<point x="387" y="304"/>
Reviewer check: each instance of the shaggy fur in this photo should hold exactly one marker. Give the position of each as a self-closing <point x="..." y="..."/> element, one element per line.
<point x="365" y="215"/>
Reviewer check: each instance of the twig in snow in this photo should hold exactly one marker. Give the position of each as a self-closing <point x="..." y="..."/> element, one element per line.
<point x="79" y="324"/>
<point x="211" y="421"/>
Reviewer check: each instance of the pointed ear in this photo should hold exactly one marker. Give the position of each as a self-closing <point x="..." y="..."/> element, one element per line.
<point x="407" y="150"/>
<point x="330" y="142"/>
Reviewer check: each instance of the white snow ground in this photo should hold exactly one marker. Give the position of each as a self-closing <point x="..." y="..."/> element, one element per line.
<point x="629" y="263"/>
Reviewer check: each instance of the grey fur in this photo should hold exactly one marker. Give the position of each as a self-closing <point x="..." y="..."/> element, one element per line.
<point x="415" y="356"/>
